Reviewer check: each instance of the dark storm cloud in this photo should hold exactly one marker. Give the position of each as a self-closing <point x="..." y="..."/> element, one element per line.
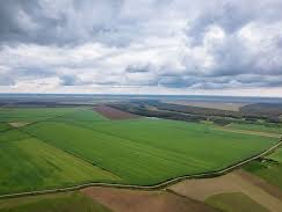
<point x="69" y="80"/>
<point x="229" y="15"/>
<point x="18" y="21"/>
<point x="138" y="68"/>
<point x="234" y="15"/>
<point x="57" y="22"/>
<point x="33" y="72"/>
<point x="177" y="81"/>
<point x="234" y="56"/>
<point x="72" y="80"/>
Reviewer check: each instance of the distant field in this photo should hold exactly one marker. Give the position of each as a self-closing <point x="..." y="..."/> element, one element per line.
<point x="112" y="113"/>
<point x="31" y="114"/>
<point x="68" y="202"/>
<point x="213" y="105"/>
<point x="272" y="128"/>
<point x="87" y="117"/>
<point x="66" y="146"/>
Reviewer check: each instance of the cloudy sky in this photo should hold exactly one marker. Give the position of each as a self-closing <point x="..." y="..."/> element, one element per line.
<point x="217" y="47"/>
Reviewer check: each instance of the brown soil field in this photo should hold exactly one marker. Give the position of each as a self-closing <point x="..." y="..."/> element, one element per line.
<point x="212" y="105"/>
<point x="114" y="114"/>
<point x="125" y="200"/>
<point x="237" y="181"/>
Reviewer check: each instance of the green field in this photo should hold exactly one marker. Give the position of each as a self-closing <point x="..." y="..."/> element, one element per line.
<point x="66" y="146"/>
<point x="68" y="202"/>
<point x="32" y="114"/>
<point x="277" y="155"/>
<point x="4" y="127"/>
<point x="269" y="170"/>
<point x="31" y="164"/>
<point x="234" y="202"/>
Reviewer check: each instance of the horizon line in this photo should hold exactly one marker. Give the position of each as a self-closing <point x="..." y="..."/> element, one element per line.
<point x="125" y="94"/>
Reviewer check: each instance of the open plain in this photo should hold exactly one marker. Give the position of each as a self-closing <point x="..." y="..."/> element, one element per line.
<point x="65" y="148"/>
<point x="133" y="151"/>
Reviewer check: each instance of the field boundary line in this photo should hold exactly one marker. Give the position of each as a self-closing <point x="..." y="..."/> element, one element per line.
<point x="157" y="186"/>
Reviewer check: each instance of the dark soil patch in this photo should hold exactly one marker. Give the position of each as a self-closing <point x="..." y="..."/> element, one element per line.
<point x="114" y="114"/>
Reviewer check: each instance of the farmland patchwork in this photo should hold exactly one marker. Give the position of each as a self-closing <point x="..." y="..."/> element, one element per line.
<point x="60" y="147"/>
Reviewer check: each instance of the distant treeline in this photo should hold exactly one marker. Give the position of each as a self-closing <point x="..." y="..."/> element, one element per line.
<point x="249" y="113"/>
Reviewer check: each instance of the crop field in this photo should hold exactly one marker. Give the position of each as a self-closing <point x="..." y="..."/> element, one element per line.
<point x="229" y="189"/>
<point x="270" y="170"/>
<point x="30" y="164"/>
<point x="4" y="127"/>
<point x="128" y="200"/>
<point x="214" y="105"/>
<point x="31" y="114"/>
<point x="70" y="202"/>
<point x="235" y="202"/>
<point x="67" y="146"/>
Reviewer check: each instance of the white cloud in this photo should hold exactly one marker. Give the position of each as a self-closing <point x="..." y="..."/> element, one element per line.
<point x="144" y="46"/>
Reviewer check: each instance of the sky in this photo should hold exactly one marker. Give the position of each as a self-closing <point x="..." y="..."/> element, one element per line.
<point x="217" y="47"/>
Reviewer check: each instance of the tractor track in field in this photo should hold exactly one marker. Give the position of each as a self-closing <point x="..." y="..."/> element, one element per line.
<point x="161" y="185"/>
